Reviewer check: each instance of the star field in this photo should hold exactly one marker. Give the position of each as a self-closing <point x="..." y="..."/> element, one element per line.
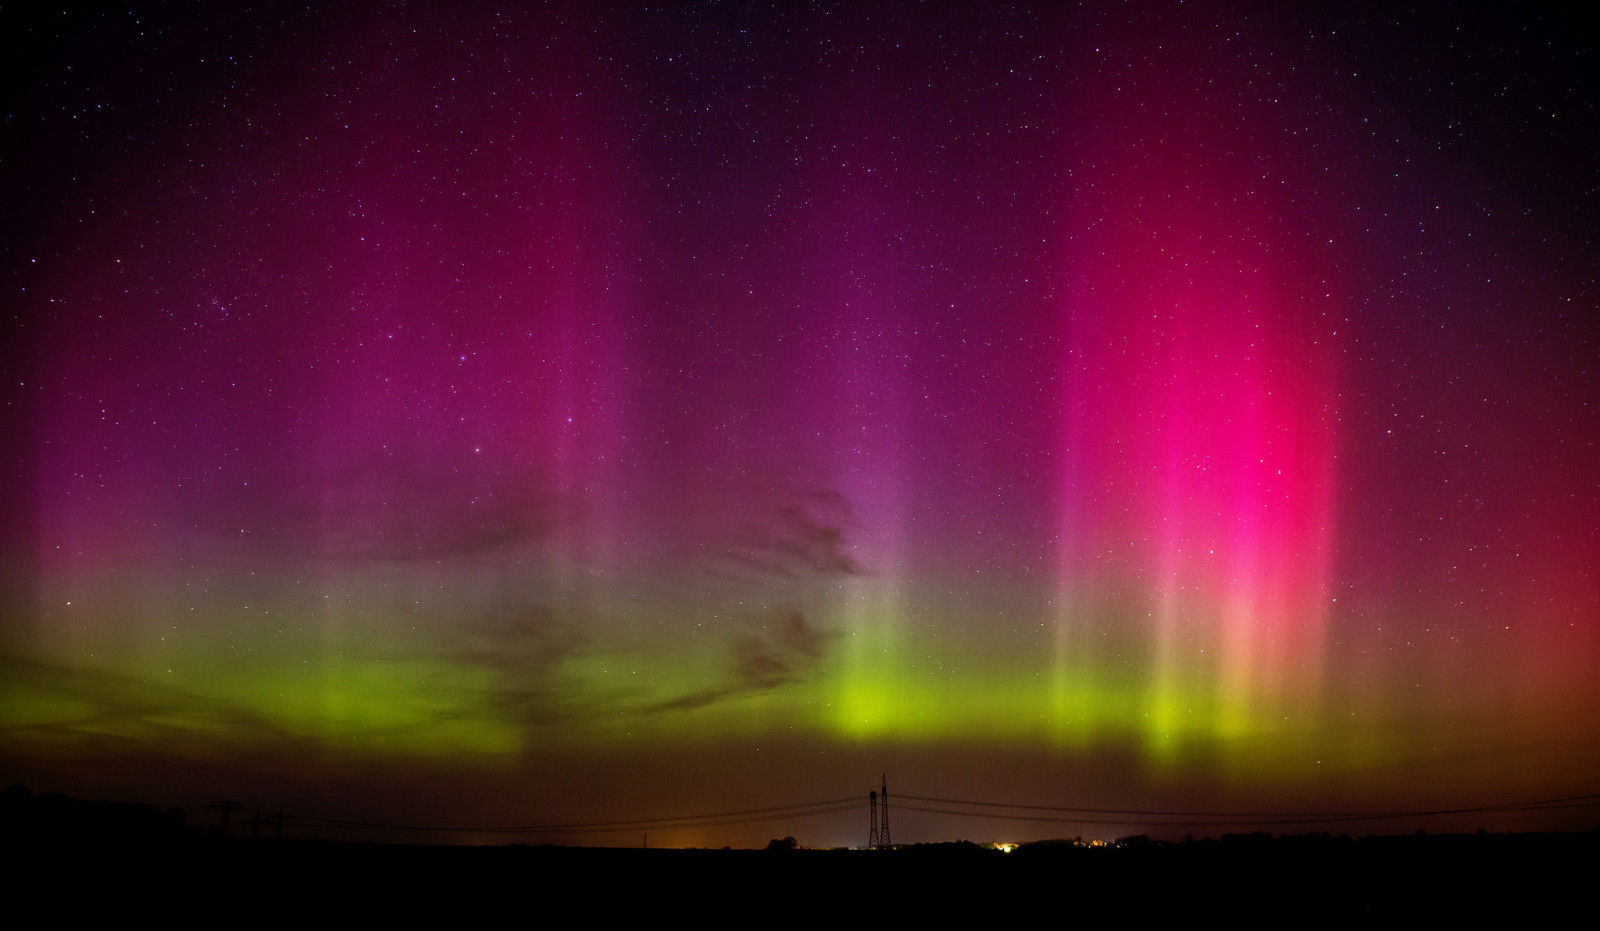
<point x="441" y="410"/>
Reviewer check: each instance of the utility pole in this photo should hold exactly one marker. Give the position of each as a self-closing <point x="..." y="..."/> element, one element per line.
<point x="225" y="807"/>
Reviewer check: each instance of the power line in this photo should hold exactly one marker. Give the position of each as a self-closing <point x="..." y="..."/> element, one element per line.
<point x="1148" y="816"/>
<point x="998" y="811"/>
<point x="709" y="819"/>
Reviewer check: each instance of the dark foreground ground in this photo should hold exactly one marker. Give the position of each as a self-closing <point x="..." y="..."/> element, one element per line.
<point x="161" y="869"/>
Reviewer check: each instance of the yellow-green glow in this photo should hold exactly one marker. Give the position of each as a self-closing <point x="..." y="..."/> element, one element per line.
<point x="884" y="681"/>
<point x="873" y="664"/>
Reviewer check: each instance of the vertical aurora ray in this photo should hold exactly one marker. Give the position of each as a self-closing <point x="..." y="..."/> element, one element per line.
<point x="868" y="430"/>
<point x="1201" y="431"/>
<point x="856" y="288"/>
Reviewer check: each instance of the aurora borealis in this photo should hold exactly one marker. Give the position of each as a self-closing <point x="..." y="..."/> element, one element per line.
<point x="547" y="414"/>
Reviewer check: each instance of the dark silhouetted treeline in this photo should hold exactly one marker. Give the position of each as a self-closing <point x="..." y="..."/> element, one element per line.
<point x="30" y="821"/>
<point x="113" y="852"/>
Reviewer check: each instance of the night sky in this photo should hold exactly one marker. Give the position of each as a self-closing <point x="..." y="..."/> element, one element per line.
<point x="571" y="413"/>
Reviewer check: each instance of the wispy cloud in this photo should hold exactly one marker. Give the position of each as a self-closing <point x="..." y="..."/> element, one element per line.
<point x="777" y="655"/>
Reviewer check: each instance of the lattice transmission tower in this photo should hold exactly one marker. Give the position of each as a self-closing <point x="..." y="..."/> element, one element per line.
<point x="878" y="823"/>
<point x="883" y="837"/>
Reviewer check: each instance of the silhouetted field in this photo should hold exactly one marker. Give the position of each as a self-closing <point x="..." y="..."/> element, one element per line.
<point x="135" y="857"/>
